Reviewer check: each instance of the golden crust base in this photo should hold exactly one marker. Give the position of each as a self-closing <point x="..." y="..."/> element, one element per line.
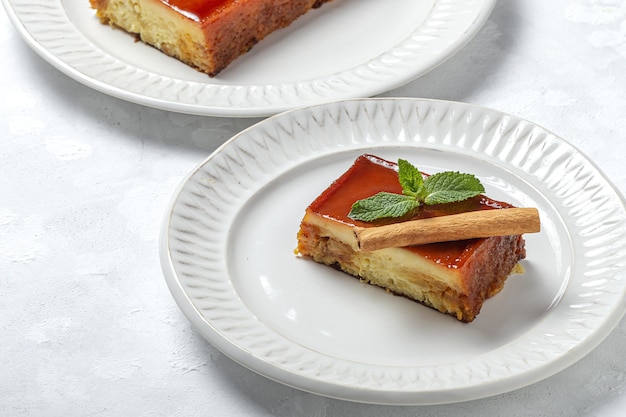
<point x="459" y="292"/>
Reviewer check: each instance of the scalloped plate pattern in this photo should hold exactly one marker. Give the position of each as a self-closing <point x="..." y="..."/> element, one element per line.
<point x="314" y="60"/>
<point x="227" y="255"/>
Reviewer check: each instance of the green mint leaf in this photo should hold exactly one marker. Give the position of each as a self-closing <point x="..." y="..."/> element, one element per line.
<point x="382" y="205"/>
<point x="410" y="179"/>
<point x="450" y="187"/>
<point x="441" y="188"/>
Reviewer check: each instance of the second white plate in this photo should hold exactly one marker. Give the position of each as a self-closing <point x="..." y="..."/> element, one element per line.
<point x="229" y="235"/>
<point x="345" y="49"/>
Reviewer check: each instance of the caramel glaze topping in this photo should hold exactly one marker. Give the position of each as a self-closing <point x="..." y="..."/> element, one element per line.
<point x="197" y="10"/>
<point x="370" y="175"/>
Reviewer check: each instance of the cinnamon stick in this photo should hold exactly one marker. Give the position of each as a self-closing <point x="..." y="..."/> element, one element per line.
<point x="469" y="225"/>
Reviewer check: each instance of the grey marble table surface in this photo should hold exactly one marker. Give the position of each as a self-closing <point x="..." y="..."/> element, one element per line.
<point x="88" y="325"/>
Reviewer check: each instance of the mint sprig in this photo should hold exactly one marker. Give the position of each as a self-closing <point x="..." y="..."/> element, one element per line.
<point x="441" y="188"/>
<point x="383" y="205"/>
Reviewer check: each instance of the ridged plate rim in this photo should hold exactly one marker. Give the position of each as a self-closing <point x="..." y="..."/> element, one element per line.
<point x="49" y="30"/>
<point x="197" y="224"/>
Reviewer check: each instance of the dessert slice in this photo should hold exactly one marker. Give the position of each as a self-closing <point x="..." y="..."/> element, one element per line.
<point x="207" y="35"/>
<point x="454" y="277"/>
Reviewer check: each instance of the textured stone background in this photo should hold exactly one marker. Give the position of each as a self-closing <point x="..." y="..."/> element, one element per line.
<point x="87" y="323"/>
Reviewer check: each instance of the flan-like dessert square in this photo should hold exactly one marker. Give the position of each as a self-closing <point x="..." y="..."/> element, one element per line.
<point x="207" y="35"/>
<point x="453" y="277"/>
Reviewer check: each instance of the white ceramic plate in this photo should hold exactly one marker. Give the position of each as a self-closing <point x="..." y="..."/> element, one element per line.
<point x="345" y="49"/>
<point x="228" y="239"/>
